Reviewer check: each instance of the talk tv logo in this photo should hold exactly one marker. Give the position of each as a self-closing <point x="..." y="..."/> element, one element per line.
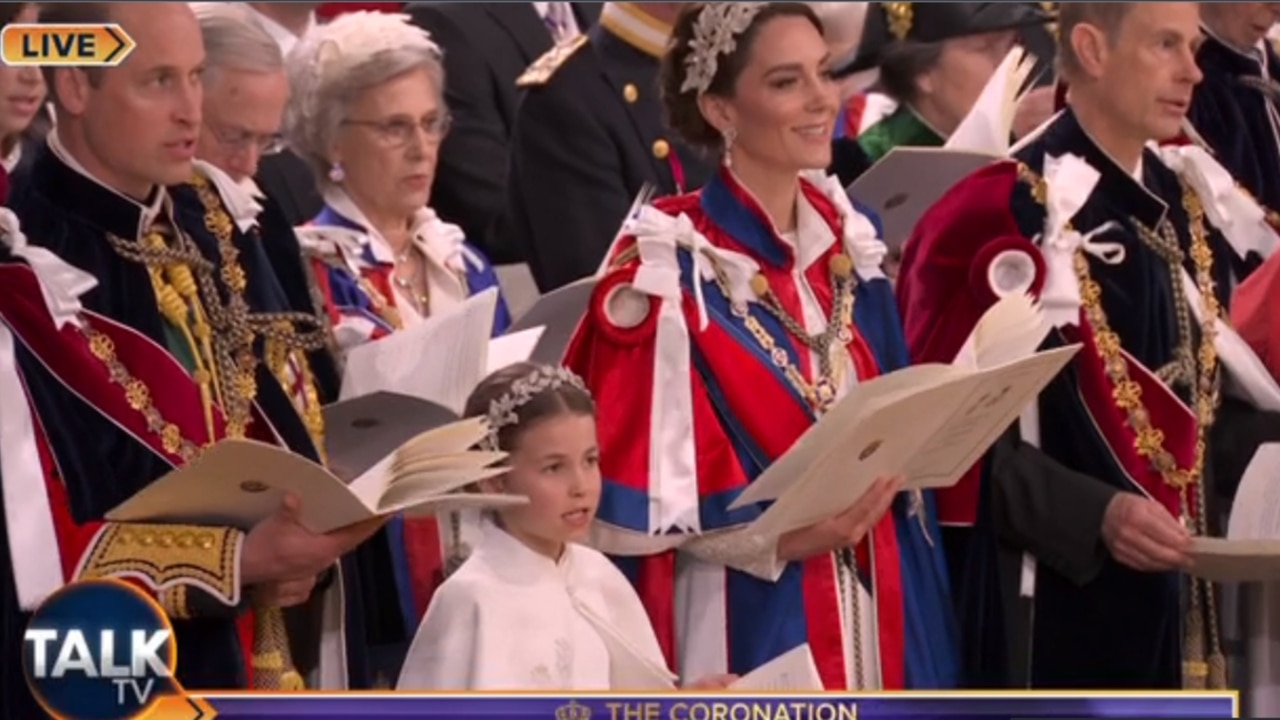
<point x="99" y="650"/>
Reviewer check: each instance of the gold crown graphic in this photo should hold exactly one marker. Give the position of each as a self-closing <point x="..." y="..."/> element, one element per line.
<point x="573" y="711"/>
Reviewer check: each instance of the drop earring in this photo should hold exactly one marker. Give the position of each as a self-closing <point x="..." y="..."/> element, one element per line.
<point x="336" y="173"/>
<point x="729" y="135"/>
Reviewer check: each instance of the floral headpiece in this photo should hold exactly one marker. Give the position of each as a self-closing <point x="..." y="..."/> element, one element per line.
<point x="331" y="50"/>
<point x="503" y="411"/>
<point x="715" y="33"/>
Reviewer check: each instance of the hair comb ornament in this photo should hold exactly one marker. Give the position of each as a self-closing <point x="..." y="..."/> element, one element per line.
<point x="715" y="33"/>
<point x="900" y="16"/>
<point x="502" y="411"/>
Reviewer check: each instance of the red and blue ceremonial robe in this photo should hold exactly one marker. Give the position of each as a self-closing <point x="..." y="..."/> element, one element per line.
<point x="1044" y="605"/>
<point x="692" y="407"/>
<point x="354" y="273"/>
<point x="101" y="408"/>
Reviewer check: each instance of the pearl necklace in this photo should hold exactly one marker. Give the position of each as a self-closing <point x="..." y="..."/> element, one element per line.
<point x="420" y="299"/>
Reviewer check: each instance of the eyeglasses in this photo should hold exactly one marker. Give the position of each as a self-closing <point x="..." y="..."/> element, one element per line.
<point x="239" y="139"/>
<point x="398" y="131"/>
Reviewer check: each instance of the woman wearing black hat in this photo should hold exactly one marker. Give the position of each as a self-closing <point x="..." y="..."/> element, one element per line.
<point x="934" y="60"/>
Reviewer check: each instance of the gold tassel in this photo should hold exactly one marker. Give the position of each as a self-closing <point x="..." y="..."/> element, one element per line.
<point x="272" y="660"/>
<point x="1195" y="670"/>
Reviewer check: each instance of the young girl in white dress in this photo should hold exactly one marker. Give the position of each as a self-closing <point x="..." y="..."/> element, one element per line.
<point x="531" y="608"/>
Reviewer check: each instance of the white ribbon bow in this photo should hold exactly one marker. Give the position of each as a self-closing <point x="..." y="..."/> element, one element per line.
<point x="865" y="249"/>
<point x="1240" y="218"/>
<point x="445" y="242"/>
<point x="658" y="235"/>
<point x="61" y="284"/>
<point x="1069" y="181"/>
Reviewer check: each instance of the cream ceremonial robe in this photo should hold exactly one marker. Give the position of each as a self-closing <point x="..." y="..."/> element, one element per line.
<point x="512" y="619"/>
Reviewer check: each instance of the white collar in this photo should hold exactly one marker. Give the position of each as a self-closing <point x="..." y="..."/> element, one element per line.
<point x="283" y="36"/>
<point x="515" y="559"/>
<point x="240" y="199"/>
<point x="442" y="243"/>
<point x="14" y="157"/>
<point x="148" y="212"/>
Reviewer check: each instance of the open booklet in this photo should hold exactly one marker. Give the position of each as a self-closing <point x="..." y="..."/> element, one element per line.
<point x="1251" y="550"/>
<point x="440" y="359"/>
<point x="240" y="482"/>
<point x="929" y="423"/>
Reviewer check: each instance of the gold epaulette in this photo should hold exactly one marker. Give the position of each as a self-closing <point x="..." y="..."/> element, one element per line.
<point x="544" y="67"/>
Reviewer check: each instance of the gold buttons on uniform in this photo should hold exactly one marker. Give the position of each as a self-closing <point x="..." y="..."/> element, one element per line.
<point x="661" y="149"/>
<point x="630" y="93"/>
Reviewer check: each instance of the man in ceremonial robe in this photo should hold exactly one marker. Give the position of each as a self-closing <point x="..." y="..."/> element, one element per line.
<point x="1085" y="510"/>
<point x="1236" y="109"/>
<point x="183" y="308"/>
<point x="589" y="135"/>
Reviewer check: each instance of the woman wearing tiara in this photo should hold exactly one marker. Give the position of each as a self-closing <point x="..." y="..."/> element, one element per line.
<point x="728" y="321"/>
<point x="367" y="112"/>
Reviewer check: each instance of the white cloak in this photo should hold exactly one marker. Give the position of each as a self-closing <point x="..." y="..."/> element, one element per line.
<point x="512" y="619"/>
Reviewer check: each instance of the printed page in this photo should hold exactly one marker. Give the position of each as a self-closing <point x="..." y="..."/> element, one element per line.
<point x="240" y="482"/>
<point x="512" y="348"/>
<point x="834" y="429"/>
<point x="988" y="409"/>
<point x="932" y="437"/>
<point x="441" y="359"/>
<point x="792" y="671"/>
<point x="363" y="430"/>
<point x="559" y="312"/>
<point x="1233" y="561"/>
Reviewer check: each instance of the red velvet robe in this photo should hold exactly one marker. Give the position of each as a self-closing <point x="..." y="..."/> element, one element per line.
<point x="744" y="415"/>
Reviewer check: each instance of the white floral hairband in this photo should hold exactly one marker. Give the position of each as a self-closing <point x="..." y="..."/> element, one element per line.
<point x="715" y="33"/>
<point x="503" y="411"/>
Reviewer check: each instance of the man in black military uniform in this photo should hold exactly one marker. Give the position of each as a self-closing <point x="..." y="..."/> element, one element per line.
<point x="487" y="46"/>
<point x="590" y="133"/>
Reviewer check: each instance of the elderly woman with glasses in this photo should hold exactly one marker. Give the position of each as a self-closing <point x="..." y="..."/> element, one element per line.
<point x="367" y="112"/>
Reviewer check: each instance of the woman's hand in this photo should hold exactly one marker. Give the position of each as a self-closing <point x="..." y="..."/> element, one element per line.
<point x="712" y="682"/>
<point x="843" y="530"/>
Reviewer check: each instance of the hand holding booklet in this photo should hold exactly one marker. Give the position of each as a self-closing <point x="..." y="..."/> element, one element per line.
<point x="928" y="423"/>
<point x="241" y="482"/>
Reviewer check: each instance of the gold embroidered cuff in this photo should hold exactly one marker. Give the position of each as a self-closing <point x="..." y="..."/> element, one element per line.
<point x="167" y="557"/>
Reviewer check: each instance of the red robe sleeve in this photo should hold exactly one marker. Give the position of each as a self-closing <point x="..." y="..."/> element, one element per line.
<point x="616" y="350"/>
<point x="190" y="570"/>
<point x="964" y="254"/>
<point x="1254" y="316"/>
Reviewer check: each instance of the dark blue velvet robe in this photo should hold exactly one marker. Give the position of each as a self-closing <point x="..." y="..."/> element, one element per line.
<point x="1096" y="623"/>
<point x="101" y="465"/>
<point x="1233" y="115"/>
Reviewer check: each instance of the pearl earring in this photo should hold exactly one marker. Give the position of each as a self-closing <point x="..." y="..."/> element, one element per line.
<point x="729" y="135"/>
<point x="336" y="173"/>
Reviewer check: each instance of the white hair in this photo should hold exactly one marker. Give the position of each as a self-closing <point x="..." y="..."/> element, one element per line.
<point x="235" y="39"/>
<point x="334" y="63"/>
<point x="842" y="22"/>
